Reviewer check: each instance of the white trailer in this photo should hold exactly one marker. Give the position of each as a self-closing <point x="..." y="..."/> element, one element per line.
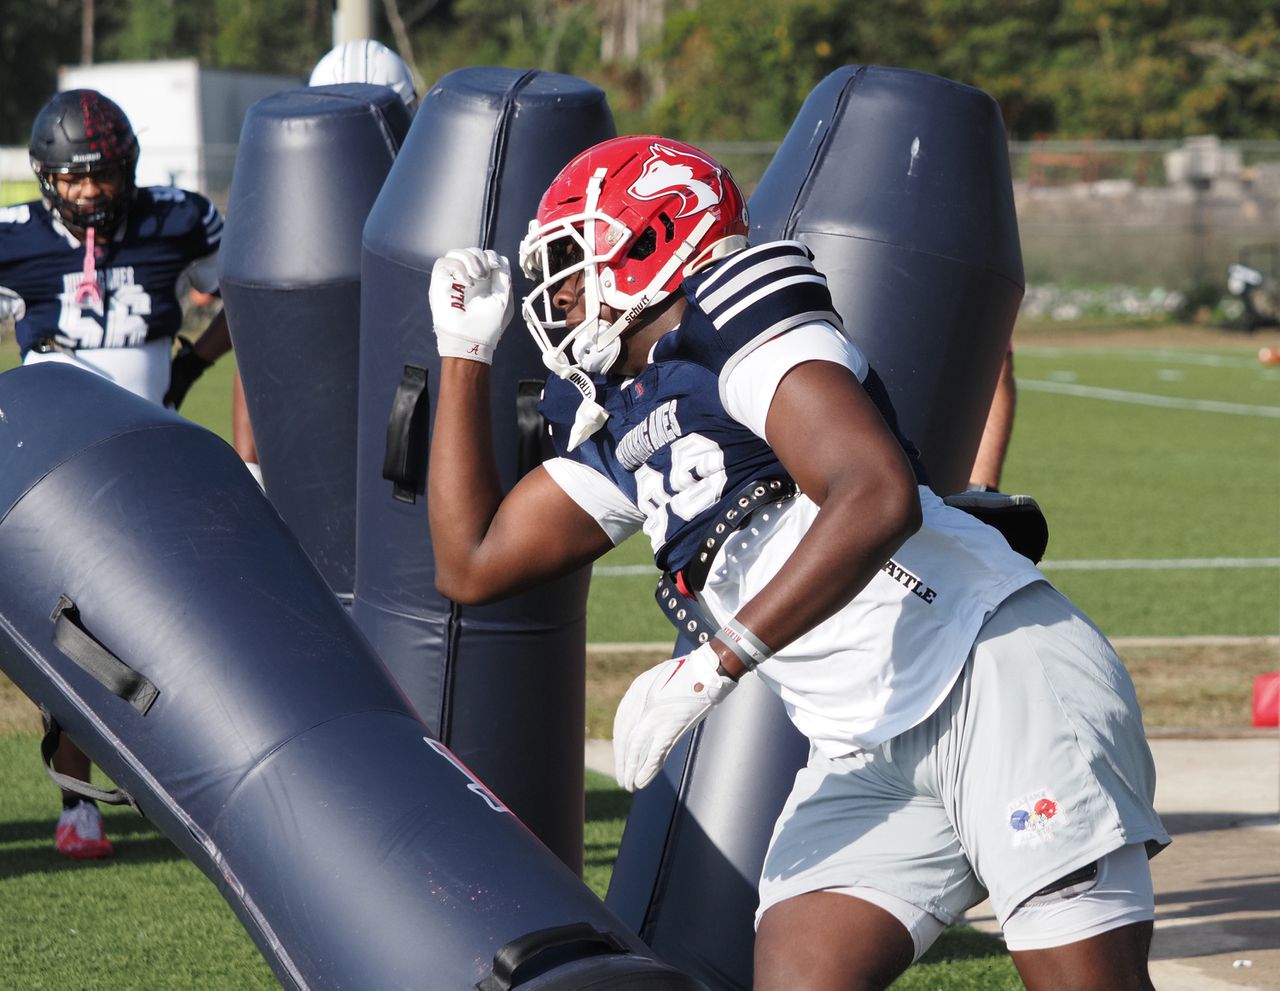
<point x="187" y="117"/>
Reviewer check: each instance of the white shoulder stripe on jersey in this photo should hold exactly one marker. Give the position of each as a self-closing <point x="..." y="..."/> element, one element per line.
<point x="743" y="277"/>
<point x="750" y="256"/>
<point x="720" y="319"/>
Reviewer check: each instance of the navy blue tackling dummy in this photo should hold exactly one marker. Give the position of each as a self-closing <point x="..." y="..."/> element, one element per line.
<point x="970" y="731"/>
<point x="92" y="274"/>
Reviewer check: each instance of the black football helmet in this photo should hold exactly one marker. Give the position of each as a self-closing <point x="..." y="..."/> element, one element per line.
<point x="81" y="132"/>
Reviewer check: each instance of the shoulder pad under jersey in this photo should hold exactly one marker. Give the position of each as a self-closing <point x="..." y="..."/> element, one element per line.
<point x="179" y="213"/>
<point x="751" y="297"/>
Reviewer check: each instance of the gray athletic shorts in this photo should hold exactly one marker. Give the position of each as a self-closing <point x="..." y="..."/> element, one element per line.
<point x="1035" y="765"/>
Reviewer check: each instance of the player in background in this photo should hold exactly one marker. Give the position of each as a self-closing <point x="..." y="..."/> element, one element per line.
<point x="363" y="61"/>
<point x="366" y="61"/>
<point x="92" y="274"/>
<point x="971" y="731"/>
<point x="988" y="463"/>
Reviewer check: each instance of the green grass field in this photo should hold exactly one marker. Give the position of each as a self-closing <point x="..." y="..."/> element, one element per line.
<point x="18" y="191"/>
<point x="148" y="919"/>
<point x="1173" y="488"/>
<point x="1157" y="464"/>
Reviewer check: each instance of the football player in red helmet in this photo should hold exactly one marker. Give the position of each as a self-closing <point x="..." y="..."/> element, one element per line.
<point x="634" y="216"/>
<point x="703" y="392"/>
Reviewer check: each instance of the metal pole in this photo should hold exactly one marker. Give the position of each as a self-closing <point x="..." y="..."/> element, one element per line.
<point x="86" y="32"/>
<point x="1199" y="231"/>
<point x="352" y="20"/>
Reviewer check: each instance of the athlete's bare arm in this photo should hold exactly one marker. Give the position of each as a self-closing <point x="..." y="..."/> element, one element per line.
<point x="216" y="339"/>
<point x="488" y="546"/>
<point x="988" y="463"/>
<point x="832" y="440"/>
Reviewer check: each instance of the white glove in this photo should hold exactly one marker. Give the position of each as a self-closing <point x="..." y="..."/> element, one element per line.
<point x="661" y="706"/>
<point x="12" y="306"/>
<point x="471" y="303"/>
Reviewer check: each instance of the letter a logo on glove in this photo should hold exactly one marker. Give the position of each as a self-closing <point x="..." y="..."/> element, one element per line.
<point x="470" y="297"/>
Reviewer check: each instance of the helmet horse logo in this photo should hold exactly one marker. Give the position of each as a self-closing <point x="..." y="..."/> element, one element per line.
<point x="671" y="172"/>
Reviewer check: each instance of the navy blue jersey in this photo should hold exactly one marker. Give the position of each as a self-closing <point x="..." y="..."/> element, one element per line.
<point x="669" y="444"/>
<point x="137" y="270"/>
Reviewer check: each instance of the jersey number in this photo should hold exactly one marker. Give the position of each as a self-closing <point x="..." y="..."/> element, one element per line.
<point x="126" y="318"/>
<point x="697" y="482"/>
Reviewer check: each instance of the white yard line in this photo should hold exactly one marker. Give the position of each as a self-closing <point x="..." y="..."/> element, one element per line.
<point x="624" y="571"/>
<point x="1147" y="399"/>
<point x="1161" y="564"/>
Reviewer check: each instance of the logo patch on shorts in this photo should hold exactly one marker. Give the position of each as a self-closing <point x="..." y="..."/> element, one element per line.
<point x="1035" y="818"/>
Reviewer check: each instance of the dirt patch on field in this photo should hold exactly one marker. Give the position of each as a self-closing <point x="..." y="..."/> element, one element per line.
<point x="18" y="713"/>
<point x="1200" y="687"/>
<point x="1197" y="686"/>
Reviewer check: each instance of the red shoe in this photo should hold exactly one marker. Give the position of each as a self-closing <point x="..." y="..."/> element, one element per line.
<point x="79" y="834"/>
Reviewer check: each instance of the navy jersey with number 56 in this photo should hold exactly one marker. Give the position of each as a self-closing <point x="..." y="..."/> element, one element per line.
<point x="136" y="270"/>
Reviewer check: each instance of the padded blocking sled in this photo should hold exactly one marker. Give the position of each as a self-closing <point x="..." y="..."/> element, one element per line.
<point x="275" y="752"/>
<point x="899" y="183"/>
<point x="309" y="166"/>
<point x="502" y="685"/>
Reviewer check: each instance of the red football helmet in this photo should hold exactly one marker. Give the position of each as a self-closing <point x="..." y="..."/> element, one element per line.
<point x="635" y="215"/>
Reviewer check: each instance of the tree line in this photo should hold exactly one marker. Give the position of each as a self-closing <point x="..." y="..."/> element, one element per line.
<point x="722" y="70"/>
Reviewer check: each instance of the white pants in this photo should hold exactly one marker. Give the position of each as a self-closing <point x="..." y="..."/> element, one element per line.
<point x="1034" y="766"/>
<point x="143" y="369"/>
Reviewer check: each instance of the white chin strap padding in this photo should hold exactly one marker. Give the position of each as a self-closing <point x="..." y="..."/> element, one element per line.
<point x="594" y="360"/>
<point x="589" y="418"/>
<point x="590" y="415"/>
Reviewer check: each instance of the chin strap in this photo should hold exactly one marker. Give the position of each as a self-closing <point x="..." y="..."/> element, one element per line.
<point x="590" y="415"/>
<point x="723" y="248"/>
<point x="650" y="294"/>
